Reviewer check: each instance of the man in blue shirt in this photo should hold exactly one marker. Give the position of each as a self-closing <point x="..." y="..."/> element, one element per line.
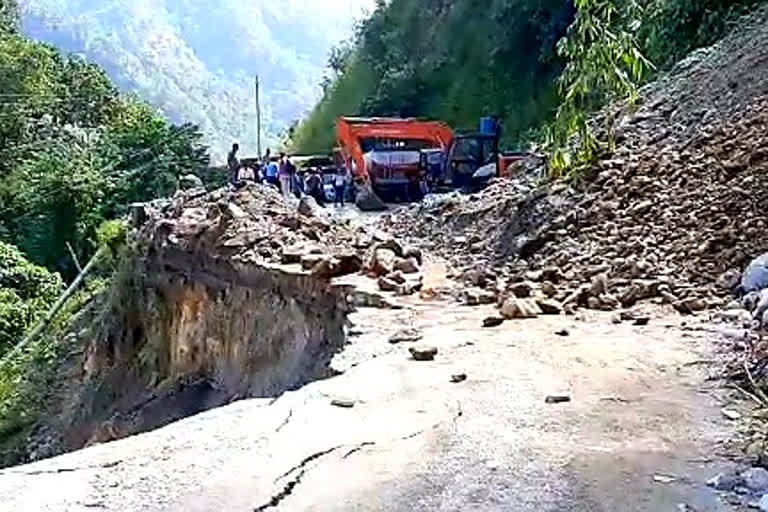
<point x="270" y="170"/>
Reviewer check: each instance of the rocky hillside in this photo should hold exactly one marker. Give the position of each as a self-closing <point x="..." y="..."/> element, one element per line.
<point x="196" y="60"/>
<point x="680" y="201"/>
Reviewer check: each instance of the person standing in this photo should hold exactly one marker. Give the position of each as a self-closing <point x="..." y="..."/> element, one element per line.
<point x="284" y="175"/>
<point x="340" y="186"/>
<point x="271" y="172"/>
<point x="314" y="186"/>
<point x="233" y="164"/>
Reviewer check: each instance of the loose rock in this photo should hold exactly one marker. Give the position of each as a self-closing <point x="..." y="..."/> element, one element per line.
<point x="520" y="308"/>
<point x="343" y="403"/>
<point x="423" y="353"/>
<point x="406" y="336"/>
<point x="493" y="321"/>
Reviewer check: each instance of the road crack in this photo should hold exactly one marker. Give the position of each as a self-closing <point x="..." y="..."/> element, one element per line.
<point x="58" y="471"/>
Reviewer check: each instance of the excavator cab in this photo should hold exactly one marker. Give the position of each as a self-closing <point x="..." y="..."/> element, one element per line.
<point x="468" y="163"/>
<point x="469" y="154"/>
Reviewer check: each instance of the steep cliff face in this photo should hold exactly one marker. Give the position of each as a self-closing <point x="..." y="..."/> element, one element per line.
<point x="201" y="314"/>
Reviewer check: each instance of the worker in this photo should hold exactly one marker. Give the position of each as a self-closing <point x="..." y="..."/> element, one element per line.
<point x="340" y="186"/>
<point x="297" y="182"/>
<point x="284" y="175"/>
<point x="314" y="186"/>
<point x="267" y="158"/>
<point x="233" y="164"/>
<point x="245" y="175"/>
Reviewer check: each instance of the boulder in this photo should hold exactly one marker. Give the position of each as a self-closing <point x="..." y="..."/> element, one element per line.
<point x="349" y="263"/>
<point x="383" y="262"/>
<point x="549" y="306"/>
<point x="423" y="353"/>
<point x="407" y="265"/>
<point x="293" y="254"/>
<point x="548" y="289"/>
<point x="522" y="290"/>
<point x="387" y="285"/>
<point x="755" y="278"/>
<point x="756" y="479"/>
<point x="478" y="296"/>
<point x="552" y="274"/>
<point x="408" y="288"/>
<point x="414" y="253"/>
<point x="308" y="206"/>
<point x="514" y="308"/>
<point x="397" y="277"/>
<point x="493" y="321"/>
<point x="393" y="245"/>
<point x="725" y="481"/>
<point x="407" y="335"/>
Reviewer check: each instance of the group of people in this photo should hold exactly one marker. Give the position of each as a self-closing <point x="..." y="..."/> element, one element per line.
<point x="281" y="173"/>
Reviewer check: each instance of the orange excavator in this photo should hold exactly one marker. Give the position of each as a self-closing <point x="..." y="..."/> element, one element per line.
<point x="384" y="154"/>
<point x="393" y="157"/>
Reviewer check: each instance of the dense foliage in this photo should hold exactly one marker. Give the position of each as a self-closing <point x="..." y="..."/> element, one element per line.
<point x="458" y="60"/>
<point x="25" y="290"/>
<point x="74" y="152"/>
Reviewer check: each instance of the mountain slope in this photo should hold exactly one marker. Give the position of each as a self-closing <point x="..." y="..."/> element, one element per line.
<point x="196" y="60"/>
<point x="458" y="60"/>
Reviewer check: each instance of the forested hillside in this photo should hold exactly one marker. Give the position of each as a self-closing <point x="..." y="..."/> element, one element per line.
<point x="74" y="153"/>
<point x="458" y="60"/>
<point x="196" y="60"/>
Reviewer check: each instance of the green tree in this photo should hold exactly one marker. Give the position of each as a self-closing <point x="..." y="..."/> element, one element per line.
<point x="9" y="16"/>
<point x="603" y="64"/>
<point x="56" y="197"/>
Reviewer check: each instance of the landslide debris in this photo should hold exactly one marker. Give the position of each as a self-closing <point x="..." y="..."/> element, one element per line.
<point x="681" y="200"/>
<point x="223" y="295"/>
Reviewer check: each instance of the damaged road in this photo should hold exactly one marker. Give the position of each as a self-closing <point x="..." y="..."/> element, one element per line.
<point x="416" y="441"/>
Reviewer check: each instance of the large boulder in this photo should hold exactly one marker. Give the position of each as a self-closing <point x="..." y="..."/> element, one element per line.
<point x="755" y="278"/>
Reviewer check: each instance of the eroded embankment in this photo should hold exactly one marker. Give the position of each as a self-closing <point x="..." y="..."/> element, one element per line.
<point x="195" y="319"/>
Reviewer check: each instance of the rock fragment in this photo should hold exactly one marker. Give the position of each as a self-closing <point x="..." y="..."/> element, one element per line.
<point x="423" y="353"/>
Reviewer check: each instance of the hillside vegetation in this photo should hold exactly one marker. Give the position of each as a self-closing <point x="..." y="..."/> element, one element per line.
<point x="196" y="59"/>
<point x="74" y="154"/>
<point x="458" y="60"/>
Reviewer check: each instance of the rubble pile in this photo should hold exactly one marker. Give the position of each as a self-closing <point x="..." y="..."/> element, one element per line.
<point x="253" y="225"/>
<point x="257" y="226"/>
<point x="680" y="201"/>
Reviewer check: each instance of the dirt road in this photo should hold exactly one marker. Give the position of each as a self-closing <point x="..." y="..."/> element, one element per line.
<point x="641" y="433"/>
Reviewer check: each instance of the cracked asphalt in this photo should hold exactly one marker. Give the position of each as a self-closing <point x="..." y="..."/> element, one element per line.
<point x="414" y="441"/>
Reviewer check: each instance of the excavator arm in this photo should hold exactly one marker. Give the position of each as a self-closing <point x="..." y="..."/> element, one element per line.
<point x="352" y="131"/>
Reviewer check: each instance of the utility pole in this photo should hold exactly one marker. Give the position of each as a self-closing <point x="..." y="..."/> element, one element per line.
<point x="258" y="118"/>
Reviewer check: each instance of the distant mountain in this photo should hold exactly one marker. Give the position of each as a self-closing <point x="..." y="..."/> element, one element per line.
<point x="196" y="59"/>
